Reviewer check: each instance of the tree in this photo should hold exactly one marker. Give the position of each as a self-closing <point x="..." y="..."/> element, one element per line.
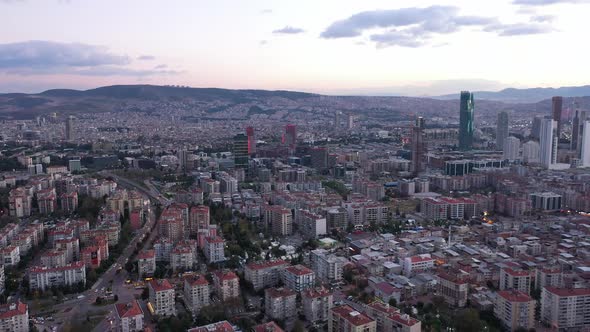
<point x="392" y="302"/>
<point x="299" y="326"/>
<point x="468" y="321"/>
<point x="116" y="298"/>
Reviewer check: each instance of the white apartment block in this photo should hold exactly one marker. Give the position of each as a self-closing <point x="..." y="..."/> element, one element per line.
<point x="280" y="303"/>
<point x="317" y="303"/>
<point x="14" y="317"/>
<point x="162" y="297"/>
<point x="129" y="317"/>
<point x="264" y="274"/>
<point x="566" y="309"/>
<point x="196" y="292"/>
<point x="43" y="277"/>
<point x="299" y="278"/>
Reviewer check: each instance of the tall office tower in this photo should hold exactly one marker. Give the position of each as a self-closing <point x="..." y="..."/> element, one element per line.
<point x="183" y="158"/>
<point x="70" y="128"/>
<point x="511" y="148"/>
<point x="577" y="130"/>
<point x="291" y="136"/>
<point x="548" y="145"/>
<point x="241" y="151"/>
<point x="418" y="145"/>
<point x="350" y="121"/>
<point x="530" y="152"/>
<point x="251" y="140"/>
<point x="466" y="121"/>
<point x="536" y="129"/>
<point x="557" y="106"/>
<point x="585" y="144"/>
<point x="337" y="116"/>
<point x="501" y="130"/>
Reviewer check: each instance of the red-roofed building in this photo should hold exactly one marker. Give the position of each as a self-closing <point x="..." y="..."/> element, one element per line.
<point x="346" y="319"/>
<point x="299" y="278"/>
<point x="146" y="262"/>
<point x="223" y="326"/>
<point x="91" y="256"/>
<point x="317" y="303"/>
<point x="226" y="284"/>
<point x="566" y="309"/>
<point x="162" y="297"/>
<point x="265" y="274"/>
<point x="404" y="323"/>
<point x="196" y="292"/>
<point x="417" y="264"/>
<point x="280" y="303"/>
<point x="129" y="317"/>
<point x="515" y="309"/>
<point x="453" y="287"/>
<point x="214" y="249"/>
<point x="386" y="291"/>
<point x="267" y="327"/>
<point x="41" y="277"/>
<point x="14" y="317"/>
<point x="513" y="278"/>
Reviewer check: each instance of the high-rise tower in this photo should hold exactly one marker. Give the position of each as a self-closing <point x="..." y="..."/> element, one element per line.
<point x="418" y="145"/>
<point x="501" y="130"/>
<point x="251" y="140"/>
<point x="291" y="136"/>
<point x="585" y="144"/>
<point x="548" y="144"/>
<point x="556" y="108"/>
<point x="466" y="121"/>
<point x="241" y="151"/>
<point x="70" y="128"/>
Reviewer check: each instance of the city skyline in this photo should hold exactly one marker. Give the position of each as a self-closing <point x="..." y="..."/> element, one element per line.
<point x="293" y="46"/>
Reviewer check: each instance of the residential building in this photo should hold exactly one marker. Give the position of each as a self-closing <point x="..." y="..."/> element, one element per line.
<point x="146" y="263"/>
<point x="280" y="303"/>
<point x="196" y="292"/>
<point x="453" y="288"/>
<point x="328" y="267"/>
<point x="226" y="284"/>
<point x="515" y="279"/>
<point x="317" y="303"/>
<point x="346" y="319"/>
<point x="162" y="297"/>
<point x="416" y="264"/>
<point x="298" y="278"/>
<point x="42" y="278"/>
<point x="566" y="309"/>
<point x="214" y="249"/>
<point x="14" y="317"/>
<point x="515" y="309"/>
<point x="265" y="274"/>
<point x="129" y="317"/>
<point x="223" y="326"/>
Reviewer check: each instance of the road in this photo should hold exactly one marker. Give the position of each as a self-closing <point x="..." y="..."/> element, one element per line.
<point x="79" y="308"/>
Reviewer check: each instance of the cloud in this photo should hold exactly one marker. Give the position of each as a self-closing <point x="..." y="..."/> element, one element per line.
<point x="542" y="18"/>
<point x="162" y="66"/>
<point x="519" y="29"/>
<point x="49" y="58"/>
<point x="266" y="11"/>
<point x="146" y="57"/>
<point x="547" y="2"/>
<point x="46" y="54"/>
<point x="416" y="27"/>
<point x="288" y="30"/>
<point x="263" y="42"/>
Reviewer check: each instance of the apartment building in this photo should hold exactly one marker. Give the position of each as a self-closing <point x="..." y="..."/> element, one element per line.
<point x="14" y="317"/>
<point x="42" y="278"/>
<point x="162" y="297"/>
<point x="264" y="274"/>
<point x="317" y="303"/>
<point x="566" y="309"/>
<point x="346" y="319"/>
<point x="515" y="309"/>
<point x="453" y="288"/>
<point x="196" y="292"/>
<point x="515" y="279"/>
<point x="280" y="303"/>
<point x="226" y="284"/>
<point x="298" y="278"/>
<point x="214" y="249"/>
<point x="146" y="263"/>
<point x="129" y="317"/>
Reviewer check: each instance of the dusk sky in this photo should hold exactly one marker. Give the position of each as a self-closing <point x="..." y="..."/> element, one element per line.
<point x="413" y="47"/>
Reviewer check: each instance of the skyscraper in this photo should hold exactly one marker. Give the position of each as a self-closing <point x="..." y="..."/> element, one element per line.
<point x="501" y="130"/>
<point x="585" y="144"/>
<point x="530" y="152"/>
<point x="70" y="128"/>
<point x="241" y="151"/>
<point x="291" y="136"/>
<point x="548" y="153"/>
<point x="466" y="121"/>
<point x="511" y="148"/>
<point x="417" y="145"/>
<point x="350" y="121"/>
<point x="337" y="116"/>
<point x="251" y="140"/>
<point x="557" y="106"/>
<point x="536" y="128"/>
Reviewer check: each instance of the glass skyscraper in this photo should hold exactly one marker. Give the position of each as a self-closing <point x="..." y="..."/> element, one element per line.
<point x="466" y="121"/>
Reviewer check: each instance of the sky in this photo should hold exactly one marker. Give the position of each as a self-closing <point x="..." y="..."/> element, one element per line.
<point x="368" y="47"/>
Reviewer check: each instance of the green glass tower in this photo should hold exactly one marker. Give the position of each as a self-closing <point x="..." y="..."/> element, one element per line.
<point x="466" y="121"/>
<point x="241" y="151"/>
